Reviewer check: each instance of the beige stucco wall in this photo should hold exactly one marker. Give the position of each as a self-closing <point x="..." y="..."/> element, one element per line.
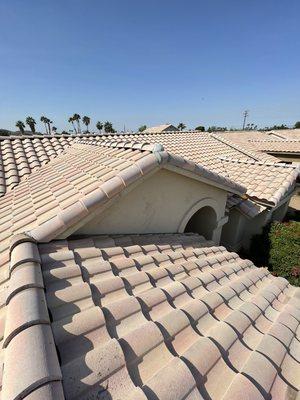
<point x="239" y="229"/>
<point x="232" y="233"/>
<point x="161" y="204"/>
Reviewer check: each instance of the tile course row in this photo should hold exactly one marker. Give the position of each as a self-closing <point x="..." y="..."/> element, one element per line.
<point x="180" y="317"/>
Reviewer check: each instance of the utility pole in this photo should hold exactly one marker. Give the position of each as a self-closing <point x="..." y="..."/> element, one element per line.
<point x="245" y="114"/>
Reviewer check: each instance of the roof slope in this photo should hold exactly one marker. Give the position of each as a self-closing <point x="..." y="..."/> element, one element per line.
<point x="266" y="183"/>
<point x="278" y="146"/>
<point x="202" y="148"/>
<point x="48" y="204"/>
<point x="19" y="156"/>
<point x="72" y="186"/>
<point x="155" y="316"/>
<point x="212" y="151"/>
<point x="83" y="175"/>
<point x="286" y="133"/>
<point x="263" y="142"/>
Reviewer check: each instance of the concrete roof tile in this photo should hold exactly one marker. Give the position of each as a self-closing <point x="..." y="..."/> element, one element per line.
<point x="26" y="308"/>
<point x="24" y="253"/>
<point x="26" y="275"/>
<point x="209" y="316"/>
<point x="113" y="186"/>
<point x="69" y="334"/>
<point x="37" y="366"/>
<point x="49" y="230"/>
<point x="49" y="391"/>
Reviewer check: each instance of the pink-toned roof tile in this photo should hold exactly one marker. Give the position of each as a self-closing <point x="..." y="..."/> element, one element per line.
<point x="20" y="155"/>
<point x="29" y="360"/>
<point x="60" y="193"/>
<point x="171" y="316"/>
<point x="53" y="199"/>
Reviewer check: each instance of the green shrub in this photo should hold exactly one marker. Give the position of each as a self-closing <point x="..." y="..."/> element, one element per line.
<point x="278" y="249"/>
<point x="284" y="254"/>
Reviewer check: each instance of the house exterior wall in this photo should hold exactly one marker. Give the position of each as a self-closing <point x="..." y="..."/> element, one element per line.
<point x="163" y="203"/>
<point x="239" y="229"/>
<point x="232" y="233"/>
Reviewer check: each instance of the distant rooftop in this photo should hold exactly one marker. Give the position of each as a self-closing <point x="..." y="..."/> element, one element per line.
<point x="161" y="128"/>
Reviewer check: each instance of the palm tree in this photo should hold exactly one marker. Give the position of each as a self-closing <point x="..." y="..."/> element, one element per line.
<point x="142" y="128"/>
<point x="108" y="127"/>
<point x="48" y="123"/>
<point x="86" y="120"/>
<point x="45" y="121"/>
<point x="181" y="126"/>
<point x="99" y="126"/>
<point x="21" y="126"/>
<point x="54" y="129"/>
<point x="71" y="121"/>
<point x="31" y="123"/>
<point x="76" y="117"/>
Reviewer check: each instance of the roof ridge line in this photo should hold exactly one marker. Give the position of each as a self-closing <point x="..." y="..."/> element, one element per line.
<point x="42" y="136"/>
<point x="158" y="133"/>
<point x="124" y="144"/>
<point x="234" y="146"/>
<point x="285" y="140"/>
<point x="275" y="134"/>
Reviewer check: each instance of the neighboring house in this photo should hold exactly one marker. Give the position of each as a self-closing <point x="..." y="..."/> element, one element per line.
<point x="161" y="129"/>
<point x="109" y="292"/>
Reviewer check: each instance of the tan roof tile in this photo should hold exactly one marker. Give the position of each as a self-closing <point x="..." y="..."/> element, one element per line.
<point x="158" y="283"/>
<point x="38" y="364"/>
<point x="204" y="149"/>
<point x="215" y="324"/>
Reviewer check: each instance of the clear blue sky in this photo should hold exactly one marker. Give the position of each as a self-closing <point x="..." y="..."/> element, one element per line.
<point x="157" y="61"/>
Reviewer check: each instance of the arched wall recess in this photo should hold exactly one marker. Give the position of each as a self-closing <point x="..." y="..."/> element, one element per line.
<point x="206" y="202"/>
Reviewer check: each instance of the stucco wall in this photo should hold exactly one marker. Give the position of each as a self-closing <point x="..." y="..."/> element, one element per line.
<point x="232" y="233"/>
<point x="161" y="204"/>
<point x="239" y="229"/>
